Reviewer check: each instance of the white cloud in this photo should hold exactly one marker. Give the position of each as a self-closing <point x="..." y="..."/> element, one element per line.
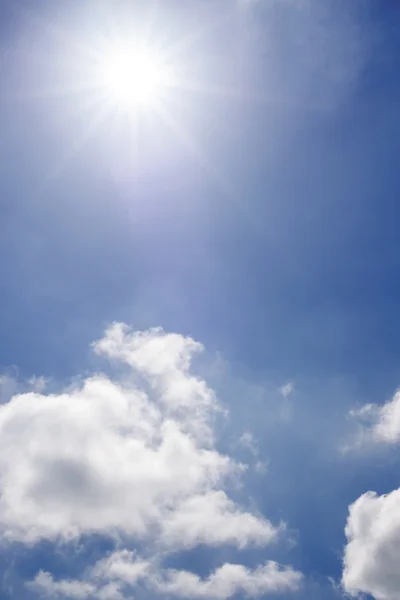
<point x="110" y="591"/>
<point x="373" y="525"/>
<point x="371" y="559"/>
<point x="113" y="578"/>
<point x="387" y="420"/>
<point x="248" y="442"/>
<point x="133" y="459"/>
<point x="228" y="580"/>
<point x="105" y="581"/>
<point x="287" y="389"/>
<point x="164" y="361"/>
<point x="213" y="519"/>
<point x="37" y="384"/>
<point x="45" y="585"/>
<point x="111" y="458"/>
<point x="136" y="460"/>
<point x="122" y="565"/>
<point x="100" y="459"/>
<point x="378" y="424"/>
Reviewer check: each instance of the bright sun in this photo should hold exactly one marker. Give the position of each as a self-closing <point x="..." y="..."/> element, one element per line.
<point x="134" y="77"/>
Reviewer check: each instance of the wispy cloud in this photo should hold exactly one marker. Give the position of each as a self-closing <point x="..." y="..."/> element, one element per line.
<point x="314" y="52"/>
<point x="287" y="389"/>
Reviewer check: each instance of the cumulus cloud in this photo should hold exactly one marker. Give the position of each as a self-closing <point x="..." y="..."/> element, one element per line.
<point x="122" y="565"/>
<point x="123" y="570"/>
<point x="164" y="361"/>
<point x="45" y="585"/>
<point x="373" y="525"/>
<point x="229" y="523"/>
<point x="379" y="424"/>
<point x="373" y="546"/>
<point x="100" y="459"/>
<point x="134" y="459"/>
<point x="229" y="580"/>
<point x="110" y="458"/>
<point x="386" y="420"/>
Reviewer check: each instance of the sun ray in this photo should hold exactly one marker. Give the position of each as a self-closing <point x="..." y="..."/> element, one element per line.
<point x="72" y="40"/>
<point x="184" y="42"/>
<point x="198" y="153"/>
<point x="57" y="169"/>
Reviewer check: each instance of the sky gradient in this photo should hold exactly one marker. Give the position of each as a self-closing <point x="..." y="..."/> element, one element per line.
<point x="200" y="356"/>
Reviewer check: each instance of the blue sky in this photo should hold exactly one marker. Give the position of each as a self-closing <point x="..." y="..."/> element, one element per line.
<point x="254" y="210"/>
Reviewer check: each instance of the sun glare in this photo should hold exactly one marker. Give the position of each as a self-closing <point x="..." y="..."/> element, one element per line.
<point x="134" y="77"/>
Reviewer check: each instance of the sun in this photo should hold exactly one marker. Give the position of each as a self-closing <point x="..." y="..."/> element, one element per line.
<point x="133" y="77"/>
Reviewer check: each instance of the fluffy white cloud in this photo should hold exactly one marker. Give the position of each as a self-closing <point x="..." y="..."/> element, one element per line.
<point x="122" y="570"/>
<point x="100" y="459"/>
<point x="373" y="525"/>
<point x="190" y="522"/>
<point x="377" y="423"/>
<point x="229" y="580"/>
<point x="114" y="458"/>
<point x="164" y="361"/>
<point x="105" y="581"/>
<point x="133" y="459"/>
<point x="45" y="585"/>
<point x="386" y="420"/>
<point x="122" y="565"/>
<point x="371" y="559"/>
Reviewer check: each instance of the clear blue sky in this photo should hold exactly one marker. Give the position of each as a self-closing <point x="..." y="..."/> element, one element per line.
<point x="255" y="210"/>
